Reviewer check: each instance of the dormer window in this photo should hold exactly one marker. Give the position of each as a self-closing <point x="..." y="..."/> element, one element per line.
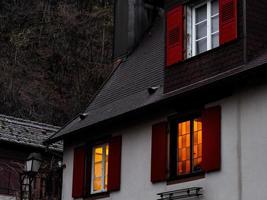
<point x="203" y="27"/>
<point x="195" y="28"/>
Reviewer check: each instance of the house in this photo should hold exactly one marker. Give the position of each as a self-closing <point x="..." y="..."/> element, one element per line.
<point x="184" y="112"/>
<point x="18" y="139"/>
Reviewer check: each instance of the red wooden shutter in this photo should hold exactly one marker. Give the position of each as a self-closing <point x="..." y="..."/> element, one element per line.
<point x="114" y="164"/>
<point x="88" y="170"/>
<point x="159" y="152"/>
<point x="78" y="172"/>
<point x="174" y="36"/>
<point x="211" y="119"/>
<point x="228" y="20"/>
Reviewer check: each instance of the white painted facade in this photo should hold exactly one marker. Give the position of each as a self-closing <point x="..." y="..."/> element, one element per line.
<point x="244" y="147"/>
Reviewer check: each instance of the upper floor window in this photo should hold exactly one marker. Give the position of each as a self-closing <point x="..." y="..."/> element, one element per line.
<point x="194" y="28"/>
<point x="203" y="27"/>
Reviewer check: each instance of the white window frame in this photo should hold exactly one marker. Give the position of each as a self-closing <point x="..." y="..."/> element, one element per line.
<point x="191" y="28"/>
<point x="104" y="146"/>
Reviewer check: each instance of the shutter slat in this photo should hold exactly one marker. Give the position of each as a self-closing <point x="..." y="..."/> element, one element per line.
<point x="211" y="119"/>
<point x="159" y="152"/>
<point x="174" y="36"/>
<point x="228" y="20"/>
<point x="78" y="172"/>
<point x="114" y="163"/>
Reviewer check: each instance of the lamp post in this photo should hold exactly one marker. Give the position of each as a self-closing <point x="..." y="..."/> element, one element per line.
<point x="32" y="165"/>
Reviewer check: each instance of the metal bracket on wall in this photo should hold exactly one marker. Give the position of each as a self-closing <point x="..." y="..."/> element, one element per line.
<point x="181" y="194"/>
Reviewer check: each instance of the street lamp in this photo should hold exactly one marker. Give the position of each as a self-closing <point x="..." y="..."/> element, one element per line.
<point x="32" y="165"/>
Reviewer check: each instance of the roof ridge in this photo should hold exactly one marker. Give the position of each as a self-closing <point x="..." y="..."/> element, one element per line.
<point x="21" y="121"/>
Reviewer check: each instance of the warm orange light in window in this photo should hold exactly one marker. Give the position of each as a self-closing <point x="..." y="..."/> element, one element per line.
<point x="100" y="168"/>
<point x="106" y="168"/>
<point x="184" y="147"/>
<point x="185" y="154"/>
<point x="197" y="144"/>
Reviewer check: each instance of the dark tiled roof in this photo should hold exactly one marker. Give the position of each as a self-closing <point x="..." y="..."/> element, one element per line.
<point x="26" y="132"/>
<point x="127" y="88"/>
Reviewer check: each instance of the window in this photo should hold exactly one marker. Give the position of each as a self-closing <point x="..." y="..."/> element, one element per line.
<point x="186" y="146"/>
<point x="189" y="146"/>
<point x="202" y="27"/>
<point x="99" y="168"/>
<point x="194" y="28"/>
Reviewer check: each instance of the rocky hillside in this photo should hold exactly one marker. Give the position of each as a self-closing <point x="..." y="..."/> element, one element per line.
<point x="54" y="54"/>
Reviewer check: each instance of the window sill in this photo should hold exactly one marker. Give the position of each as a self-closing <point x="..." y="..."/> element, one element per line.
<point x="186" y="178"/>
<point x="97" y="196"/>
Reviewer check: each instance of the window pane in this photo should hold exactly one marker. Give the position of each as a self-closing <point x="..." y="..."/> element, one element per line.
<point x="98" y="169"/>
<point x="201" y="13"/>
<point x="184" y="153"/>
<point x="97" y="184"/>
<point x="197" y="158"/>
<point x="98" y="154"/>
<point x="201" y="46"/>
<point x="215" y="40"/>
<point x="214" y="24"/>
<point x="184" y="128"/>
<point x="106" y="167"/>
<point x="201" y="30"/>
<point x="107" y="150"/>
<point x="197" y="125"/>
<point x="214" y="7"/>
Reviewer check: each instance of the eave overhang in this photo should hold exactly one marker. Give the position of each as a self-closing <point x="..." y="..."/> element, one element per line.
<point x="208" y="90"/>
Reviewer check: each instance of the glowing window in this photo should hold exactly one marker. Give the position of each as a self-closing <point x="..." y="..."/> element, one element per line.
<point x="99" y="168"/>
<point x="189" y="146"/>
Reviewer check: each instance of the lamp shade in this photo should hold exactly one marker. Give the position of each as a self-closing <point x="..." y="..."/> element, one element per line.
<point x="33" y="163"/>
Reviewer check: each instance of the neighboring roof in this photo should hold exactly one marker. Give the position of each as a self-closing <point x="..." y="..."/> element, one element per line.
<point x="26" y="132"/>
<point x="127" y="89"/>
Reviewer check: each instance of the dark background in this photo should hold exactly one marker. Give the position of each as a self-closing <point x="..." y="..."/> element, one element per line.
<point x="54" y="55"/>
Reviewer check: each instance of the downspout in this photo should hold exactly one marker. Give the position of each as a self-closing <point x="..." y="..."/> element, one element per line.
<point x="245" y="31"/>
<point x="239" y="133"/>
<point x="239" y="150"/>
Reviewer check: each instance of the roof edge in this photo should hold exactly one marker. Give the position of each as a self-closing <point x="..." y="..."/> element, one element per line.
<point x="116" y="64"/>
<point x="35" y="124"/>
<point x="238" y="71"/>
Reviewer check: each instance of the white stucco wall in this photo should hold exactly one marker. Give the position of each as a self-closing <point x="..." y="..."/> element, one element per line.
<point x="244" y="145"/>
<point x="253" y="108"/>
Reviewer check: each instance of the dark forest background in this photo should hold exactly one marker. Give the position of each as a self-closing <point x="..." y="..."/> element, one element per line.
<point x="54" y="55"/>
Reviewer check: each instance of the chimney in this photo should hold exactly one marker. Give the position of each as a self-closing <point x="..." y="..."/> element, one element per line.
<point x="132" y="18"/>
